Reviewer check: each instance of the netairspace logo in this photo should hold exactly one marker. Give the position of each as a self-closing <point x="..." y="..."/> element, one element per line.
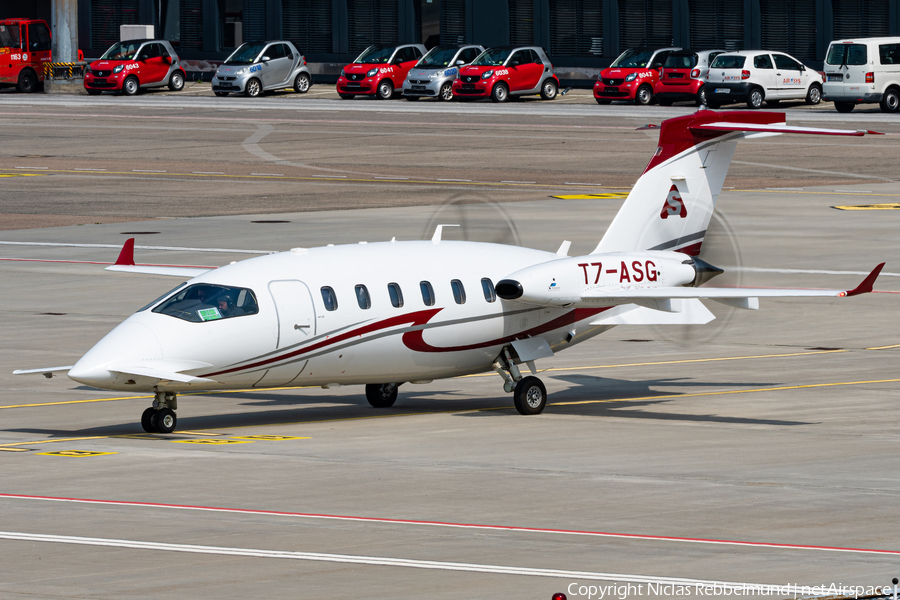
<point x="668" y="590"/>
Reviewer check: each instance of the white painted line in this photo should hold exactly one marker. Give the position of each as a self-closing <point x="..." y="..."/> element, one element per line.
<point x="807" y="271"/>
<point x="387" y="561"/>
<point x="516" y="182"/>
<point x="207" y="172"/>
<point x="177" y="248"/>
<point x="331" y="176"/>
<point x="453" y="180"/>
<point x="32" y="168"/>
<point x="88" y="169"/>
<point x="269" y="174"/>
<point x="145" y="171"/>
<point x="573" y="183"/>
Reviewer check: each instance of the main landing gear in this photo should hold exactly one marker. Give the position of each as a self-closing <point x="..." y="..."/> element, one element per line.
<point x="529" y="393"/>
<point x="382" y="395"/>
<point x="160" y="418"/>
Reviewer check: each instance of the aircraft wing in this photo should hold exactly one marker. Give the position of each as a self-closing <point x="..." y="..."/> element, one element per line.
<point x="125" y="263"/>
<point x="668" y="298"/>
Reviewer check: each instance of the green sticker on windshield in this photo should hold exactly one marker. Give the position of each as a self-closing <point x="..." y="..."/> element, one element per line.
<point x="209" y="314"/>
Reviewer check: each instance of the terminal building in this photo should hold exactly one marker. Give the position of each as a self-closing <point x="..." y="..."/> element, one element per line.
<point x="581" y="36"/>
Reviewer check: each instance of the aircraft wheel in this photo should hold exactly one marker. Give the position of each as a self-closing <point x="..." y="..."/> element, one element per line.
<point x="147" y="420"/>
<point x="165" y="420"/>
<point x="530" y="396"/>
<point x="381" y="395"/>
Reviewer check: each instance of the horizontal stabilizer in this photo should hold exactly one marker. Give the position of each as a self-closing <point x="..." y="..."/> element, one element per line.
<point x="692" y="313"/>
<point x="46" y="372"/>
<point x="154" y="270"/>
<point x="780" y="128"/>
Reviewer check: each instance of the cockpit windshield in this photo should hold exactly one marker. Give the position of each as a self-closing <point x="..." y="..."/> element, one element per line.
<point x="245" y="55"/>
<point x="375" y="55"/>
<point x="208" y="302"/>
<point x="437" y="57"/>
<point x="492" y="57"/>
<point x="121" y="51"/>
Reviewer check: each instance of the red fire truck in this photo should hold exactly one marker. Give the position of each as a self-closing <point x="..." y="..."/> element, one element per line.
<point x="24" y="48"/>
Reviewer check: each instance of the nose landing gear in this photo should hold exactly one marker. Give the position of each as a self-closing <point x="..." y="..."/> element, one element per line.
<point x="529" y="393"/>
<point x="160" y="418"/>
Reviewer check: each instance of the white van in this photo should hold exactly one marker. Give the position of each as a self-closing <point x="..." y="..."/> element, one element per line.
<point x="865" y="70"/>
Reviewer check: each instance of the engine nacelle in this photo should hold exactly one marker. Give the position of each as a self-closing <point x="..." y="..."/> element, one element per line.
<point x="563" y="282"/>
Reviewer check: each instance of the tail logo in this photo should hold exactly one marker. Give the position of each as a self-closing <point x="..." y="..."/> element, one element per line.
<point x="674" y="205"/>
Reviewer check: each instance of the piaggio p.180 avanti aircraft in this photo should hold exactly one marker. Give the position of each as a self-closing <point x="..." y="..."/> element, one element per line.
<point x="415" y="311"/>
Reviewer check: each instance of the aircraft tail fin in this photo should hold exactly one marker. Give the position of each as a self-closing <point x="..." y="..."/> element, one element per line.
<point x="671" y="205"/>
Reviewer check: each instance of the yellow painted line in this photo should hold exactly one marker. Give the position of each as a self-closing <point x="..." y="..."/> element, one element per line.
<point x="215" y="442"/>
<point x="672" y="362"/>
<point x="884" y="347"/>
<point x="20" y="174"/>
<point x="607" y="196"/>
<point x="269" y="438"/>
<point x="891" y="206"/>
<point x="75" y="453"/>
<point x="2" y="449"/>
<point x="77" y="439"/>
<point x="73" y="402"/>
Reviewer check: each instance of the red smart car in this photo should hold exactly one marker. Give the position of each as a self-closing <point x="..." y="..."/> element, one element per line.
<point x="133" y="65"/>
<point x="632" y="76"/>
<point x="378" y="71"/>
<point x="508" y="72"/>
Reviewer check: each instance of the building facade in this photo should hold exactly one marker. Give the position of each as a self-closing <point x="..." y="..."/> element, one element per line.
<point x="581" y="36"/>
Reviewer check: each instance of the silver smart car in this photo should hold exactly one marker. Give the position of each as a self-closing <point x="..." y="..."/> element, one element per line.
<point x="257" y="67"/>
<point x="433" y="75"/>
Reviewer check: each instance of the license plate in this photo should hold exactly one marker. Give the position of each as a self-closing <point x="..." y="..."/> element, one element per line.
<point x="611" y="90"/>
<point x="722" y="91"/>
<point x="99" y="81"/>
<point x="468" y="87"/>
<point x="835" y="78"/>
<point x="419" y="88"/>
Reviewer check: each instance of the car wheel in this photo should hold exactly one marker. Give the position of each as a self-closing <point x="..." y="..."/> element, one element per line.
<point x="701" y="97"/>
<point x="221" y="94"/>
<point x="176" y="81"/>
<point x="411" y="98"/>
<point x="755" y="99"/>
<point x="27" y="81"/>
<point x="500" y="93"/>
<point x="446" y="93"/>
<point x="94" y="92"/>
<point x="844" y="107"/>
<point x="385" y="90"/>
<point x="301" y="83"/>
<point x="254" y="88"/>
<point x="130" y="87"/>
<point x="814" y="94"/>
<point x="890" y="102"/>
<point x="603" y="102"/>
<point x="549" y="90"/>
<point x="644" y="95"/>
<point x="346" y="96"/>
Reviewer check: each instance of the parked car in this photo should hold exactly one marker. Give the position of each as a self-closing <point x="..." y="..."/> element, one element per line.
<point x="508" y="72"/>
<point x="632" y="76"/>
<point x="378" y="71"/>
<point x="25" y="47"/>
<point x="755" y="76"/>
<point x="434" y="74"/>
<point x="865" y="70"/>
<point x="133" y="65"/>
<point x="257" y="67"/>
<point x="683" y="76"/>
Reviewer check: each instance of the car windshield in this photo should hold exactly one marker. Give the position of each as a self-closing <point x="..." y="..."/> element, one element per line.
<point x="846" y="54"/>
<point x="208" y="302"/>
<point x="122" y="51"/>
<point x="377" y="55"/>
<point x="437" y="57"/>
<point x="492" y="57"/>
<point x="681" y="61"/>
<point x="633" y="59"/>
<point x="9" y="36"/>
<point x="245" y="55"/>
<point x="728" y="62"/>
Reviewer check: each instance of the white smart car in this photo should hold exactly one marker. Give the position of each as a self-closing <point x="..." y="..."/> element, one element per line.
<point x="757" y="76"/>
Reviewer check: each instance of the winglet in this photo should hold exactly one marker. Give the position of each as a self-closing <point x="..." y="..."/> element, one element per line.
<point x="126" y="256"/>
<point x="866" y="286"/>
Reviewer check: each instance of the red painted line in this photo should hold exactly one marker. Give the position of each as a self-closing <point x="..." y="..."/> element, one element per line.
<point x="277" y="513"/>
<point x="90" y="262"/>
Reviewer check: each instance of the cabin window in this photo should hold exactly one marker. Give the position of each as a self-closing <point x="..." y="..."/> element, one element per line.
<point x="427" y="293"/>
<point x="487" y="286"/>
<point x="207" y="302"/>
<point x="362" y="297"/>
<point x="396" y="295"/>
<point x="329" y="298"/>
<point x="459" y="292"/>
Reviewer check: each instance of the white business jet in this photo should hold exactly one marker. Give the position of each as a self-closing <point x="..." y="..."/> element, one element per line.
<point x="383" y="314"/>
